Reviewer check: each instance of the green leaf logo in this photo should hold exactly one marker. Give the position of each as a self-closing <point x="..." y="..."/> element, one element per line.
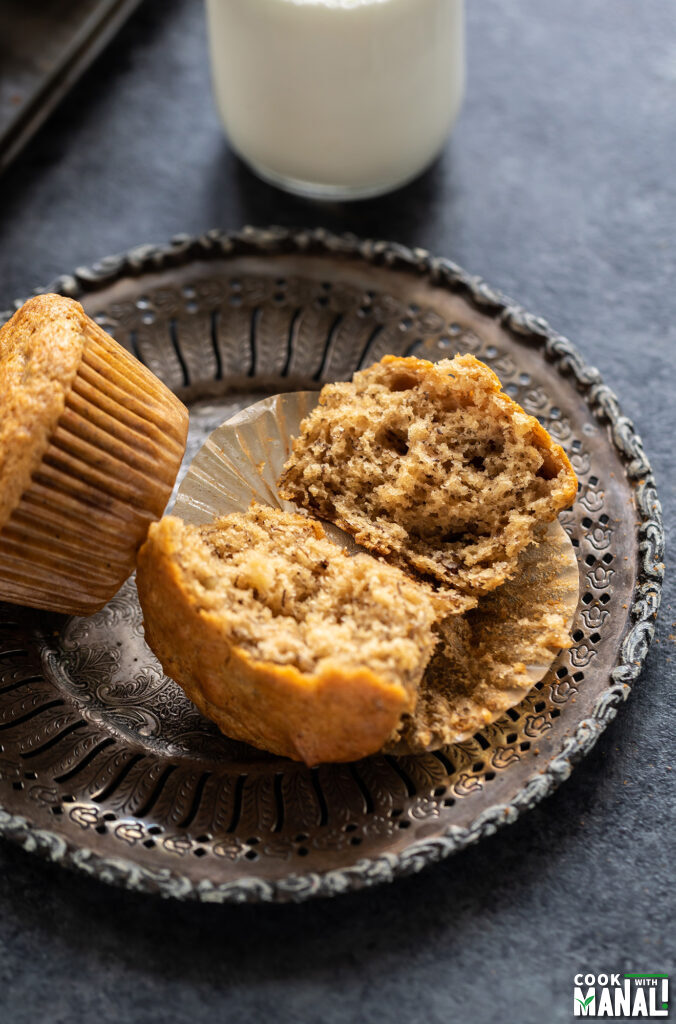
<point x="585" y="1002"/>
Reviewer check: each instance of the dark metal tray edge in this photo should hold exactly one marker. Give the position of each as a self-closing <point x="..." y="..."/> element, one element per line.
<point x="87" y="44"/>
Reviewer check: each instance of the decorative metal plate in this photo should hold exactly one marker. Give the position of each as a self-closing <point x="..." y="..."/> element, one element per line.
<point x="104" y="764"/>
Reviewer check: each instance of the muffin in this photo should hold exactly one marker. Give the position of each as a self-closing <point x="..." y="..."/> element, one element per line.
<point x="90" y="445"/>
<point x="432" y="466"/>
<point x="280" y="637"/>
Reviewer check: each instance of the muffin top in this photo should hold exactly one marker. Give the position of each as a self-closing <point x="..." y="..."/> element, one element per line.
<point x="40" y="351"/>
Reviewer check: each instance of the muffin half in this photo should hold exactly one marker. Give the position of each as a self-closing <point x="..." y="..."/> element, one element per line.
<point x="90" y="445"/>
<point x="432" y="466"/>
<point x="280" y="637"/>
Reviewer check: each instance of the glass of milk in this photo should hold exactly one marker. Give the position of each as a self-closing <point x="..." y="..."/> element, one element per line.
<point x="337" y="99"/>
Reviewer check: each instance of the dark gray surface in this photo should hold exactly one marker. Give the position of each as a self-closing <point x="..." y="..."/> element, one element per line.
<point x="559" y="188"/>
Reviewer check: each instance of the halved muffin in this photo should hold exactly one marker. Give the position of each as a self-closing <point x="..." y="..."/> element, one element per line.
<point x="432" y="466"/>
<point x="280" y="637"/>
<point x="90" y="445"/>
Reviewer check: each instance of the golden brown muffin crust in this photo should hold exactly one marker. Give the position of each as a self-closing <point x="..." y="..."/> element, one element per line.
<point x="40" y="351"/>
<point x="280" y="637"/>
<point x="90" y="445"/>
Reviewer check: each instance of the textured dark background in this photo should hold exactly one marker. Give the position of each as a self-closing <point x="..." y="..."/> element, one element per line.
<point x="559" y="187"/>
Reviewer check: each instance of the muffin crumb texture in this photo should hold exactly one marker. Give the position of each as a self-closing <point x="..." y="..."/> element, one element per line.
<point x="492" y="657"/>
<point x="433" y="466"/>
<point x="282" y="638"/>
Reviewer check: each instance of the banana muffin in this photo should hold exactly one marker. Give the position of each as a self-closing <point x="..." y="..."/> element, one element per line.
<point x="432" y="466"/>
<point x="90" y="445"/>
<point x="280" y="637"/>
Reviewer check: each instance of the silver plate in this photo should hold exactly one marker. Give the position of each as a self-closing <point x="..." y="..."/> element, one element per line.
<point x="104" y="764"/>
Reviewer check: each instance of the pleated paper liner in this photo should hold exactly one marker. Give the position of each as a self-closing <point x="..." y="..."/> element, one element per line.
<point x="106" y="474"/>
<point x="490" y="658"/>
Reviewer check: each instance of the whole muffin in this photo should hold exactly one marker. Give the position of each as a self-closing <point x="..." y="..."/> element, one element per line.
<point x="90" y="445"/>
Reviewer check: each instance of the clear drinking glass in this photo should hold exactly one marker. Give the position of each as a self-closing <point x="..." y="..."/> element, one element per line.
<point x="338" y="99"/>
